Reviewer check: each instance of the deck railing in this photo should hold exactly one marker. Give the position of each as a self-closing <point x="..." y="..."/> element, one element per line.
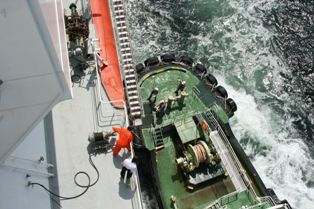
<point x="259" y="203"/>
<point x="261" y="200"/>
<point x="221" y="202"/>
<point x="100" y="107"/>
<point x="217" y="127"/>
<point x="106" y="118"/>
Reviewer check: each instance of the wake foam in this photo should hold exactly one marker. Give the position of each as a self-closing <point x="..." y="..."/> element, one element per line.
<point x="280" y="157"/>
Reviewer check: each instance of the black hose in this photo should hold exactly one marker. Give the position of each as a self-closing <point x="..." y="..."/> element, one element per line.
<point x="75" y="181"/>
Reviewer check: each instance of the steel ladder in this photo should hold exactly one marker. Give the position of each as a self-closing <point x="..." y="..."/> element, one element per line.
<point x="126" y="59"/>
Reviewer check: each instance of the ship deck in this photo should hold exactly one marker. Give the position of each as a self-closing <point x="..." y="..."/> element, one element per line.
<point x="167" y="88"/>
<point x="198" y="99"/>
<point x="170" y="178"/>
<point x="73" y="120"/>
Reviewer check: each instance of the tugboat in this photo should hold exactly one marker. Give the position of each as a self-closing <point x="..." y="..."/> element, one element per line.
<point x="196" y="160"/>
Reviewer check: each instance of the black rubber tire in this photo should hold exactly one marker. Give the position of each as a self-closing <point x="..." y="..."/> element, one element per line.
<point x="151" y="61"/>
<point x="231" y="104"/>
<point x="186" y="60"/>
<point x="168" y="57"/>
<point x="200" y="68"/>
<point x="76" y="78"/>
<point x="139" y="68"/>
<point x="221" y="91"/>
<point x="211" y="80"/>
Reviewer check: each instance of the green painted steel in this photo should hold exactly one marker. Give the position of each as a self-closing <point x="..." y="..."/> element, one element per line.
<point x="187" y="130"/>
<point x="172" y="183"/>
<point x="220" y="113"/>
<point x="179" y="120"/>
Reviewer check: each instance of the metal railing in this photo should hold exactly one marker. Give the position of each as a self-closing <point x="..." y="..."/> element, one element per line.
<point x="99" y="107"/>
<point x="227" y="161"/>
<point x="217" y="127"/>
<point x="219" y="204"/>
<point x="261" y="200"/>
<point x="267" y="199"/>
<point x="223" y="201"/>
<point x="181" y="118"/>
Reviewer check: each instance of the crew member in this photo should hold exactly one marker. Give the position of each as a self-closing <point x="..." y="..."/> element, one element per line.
<point x="181" y="86"/>
<point x="124" y="140"/>
<point x="128" y="167"/>
<point x="153" y="94"/>
<point x="160" y="109"/>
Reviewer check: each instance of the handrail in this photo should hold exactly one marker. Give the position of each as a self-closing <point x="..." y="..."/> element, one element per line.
<point x="237" y="162"/>
<point x="100" y="100"/>
<point x="181" y="117"/>
<point x="229" y="147"/>
<point x="220" y="202"/>
<point x="268" y="199"/>
<point x="235" y="193"/>
<point x="228" y="161"/>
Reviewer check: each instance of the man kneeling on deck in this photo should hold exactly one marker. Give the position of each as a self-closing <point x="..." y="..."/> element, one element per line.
<point x="124" y="140"/>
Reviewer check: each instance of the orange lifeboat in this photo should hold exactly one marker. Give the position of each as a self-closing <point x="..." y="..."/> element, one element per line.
<point x="110" y="70"/>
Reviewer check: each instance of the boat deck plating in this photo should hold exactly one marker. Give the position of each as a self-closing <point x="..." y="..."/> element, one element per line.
<point x="90" y="111"/>
<point x="73" y="121"/>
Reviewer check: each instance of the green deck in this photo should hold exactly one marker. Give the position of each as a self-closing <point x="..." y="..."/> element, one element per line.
<point x="173" y="184"/>
<point x="188" y="130"/>
<point x="167" y="83"/>
<point x="199" y="100"/>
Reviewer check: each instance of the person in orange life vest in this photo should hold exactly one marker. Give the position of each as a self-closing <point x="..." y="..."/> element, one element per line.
<point x="124" y="140"/>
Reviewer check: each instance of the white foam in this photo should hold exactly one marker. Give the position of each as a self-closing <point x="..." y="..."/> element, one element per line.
<point x="286" y="165"/>
<point x="280" y="155"/>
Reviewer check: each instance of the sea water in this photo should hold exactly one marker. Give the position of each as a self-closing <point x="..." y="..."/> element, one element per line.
<point x="262" y="52"/>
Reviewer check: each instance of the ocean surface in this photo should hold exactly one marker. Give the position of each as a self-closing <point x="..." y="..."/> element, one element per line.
<point x="262" y="52"/>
